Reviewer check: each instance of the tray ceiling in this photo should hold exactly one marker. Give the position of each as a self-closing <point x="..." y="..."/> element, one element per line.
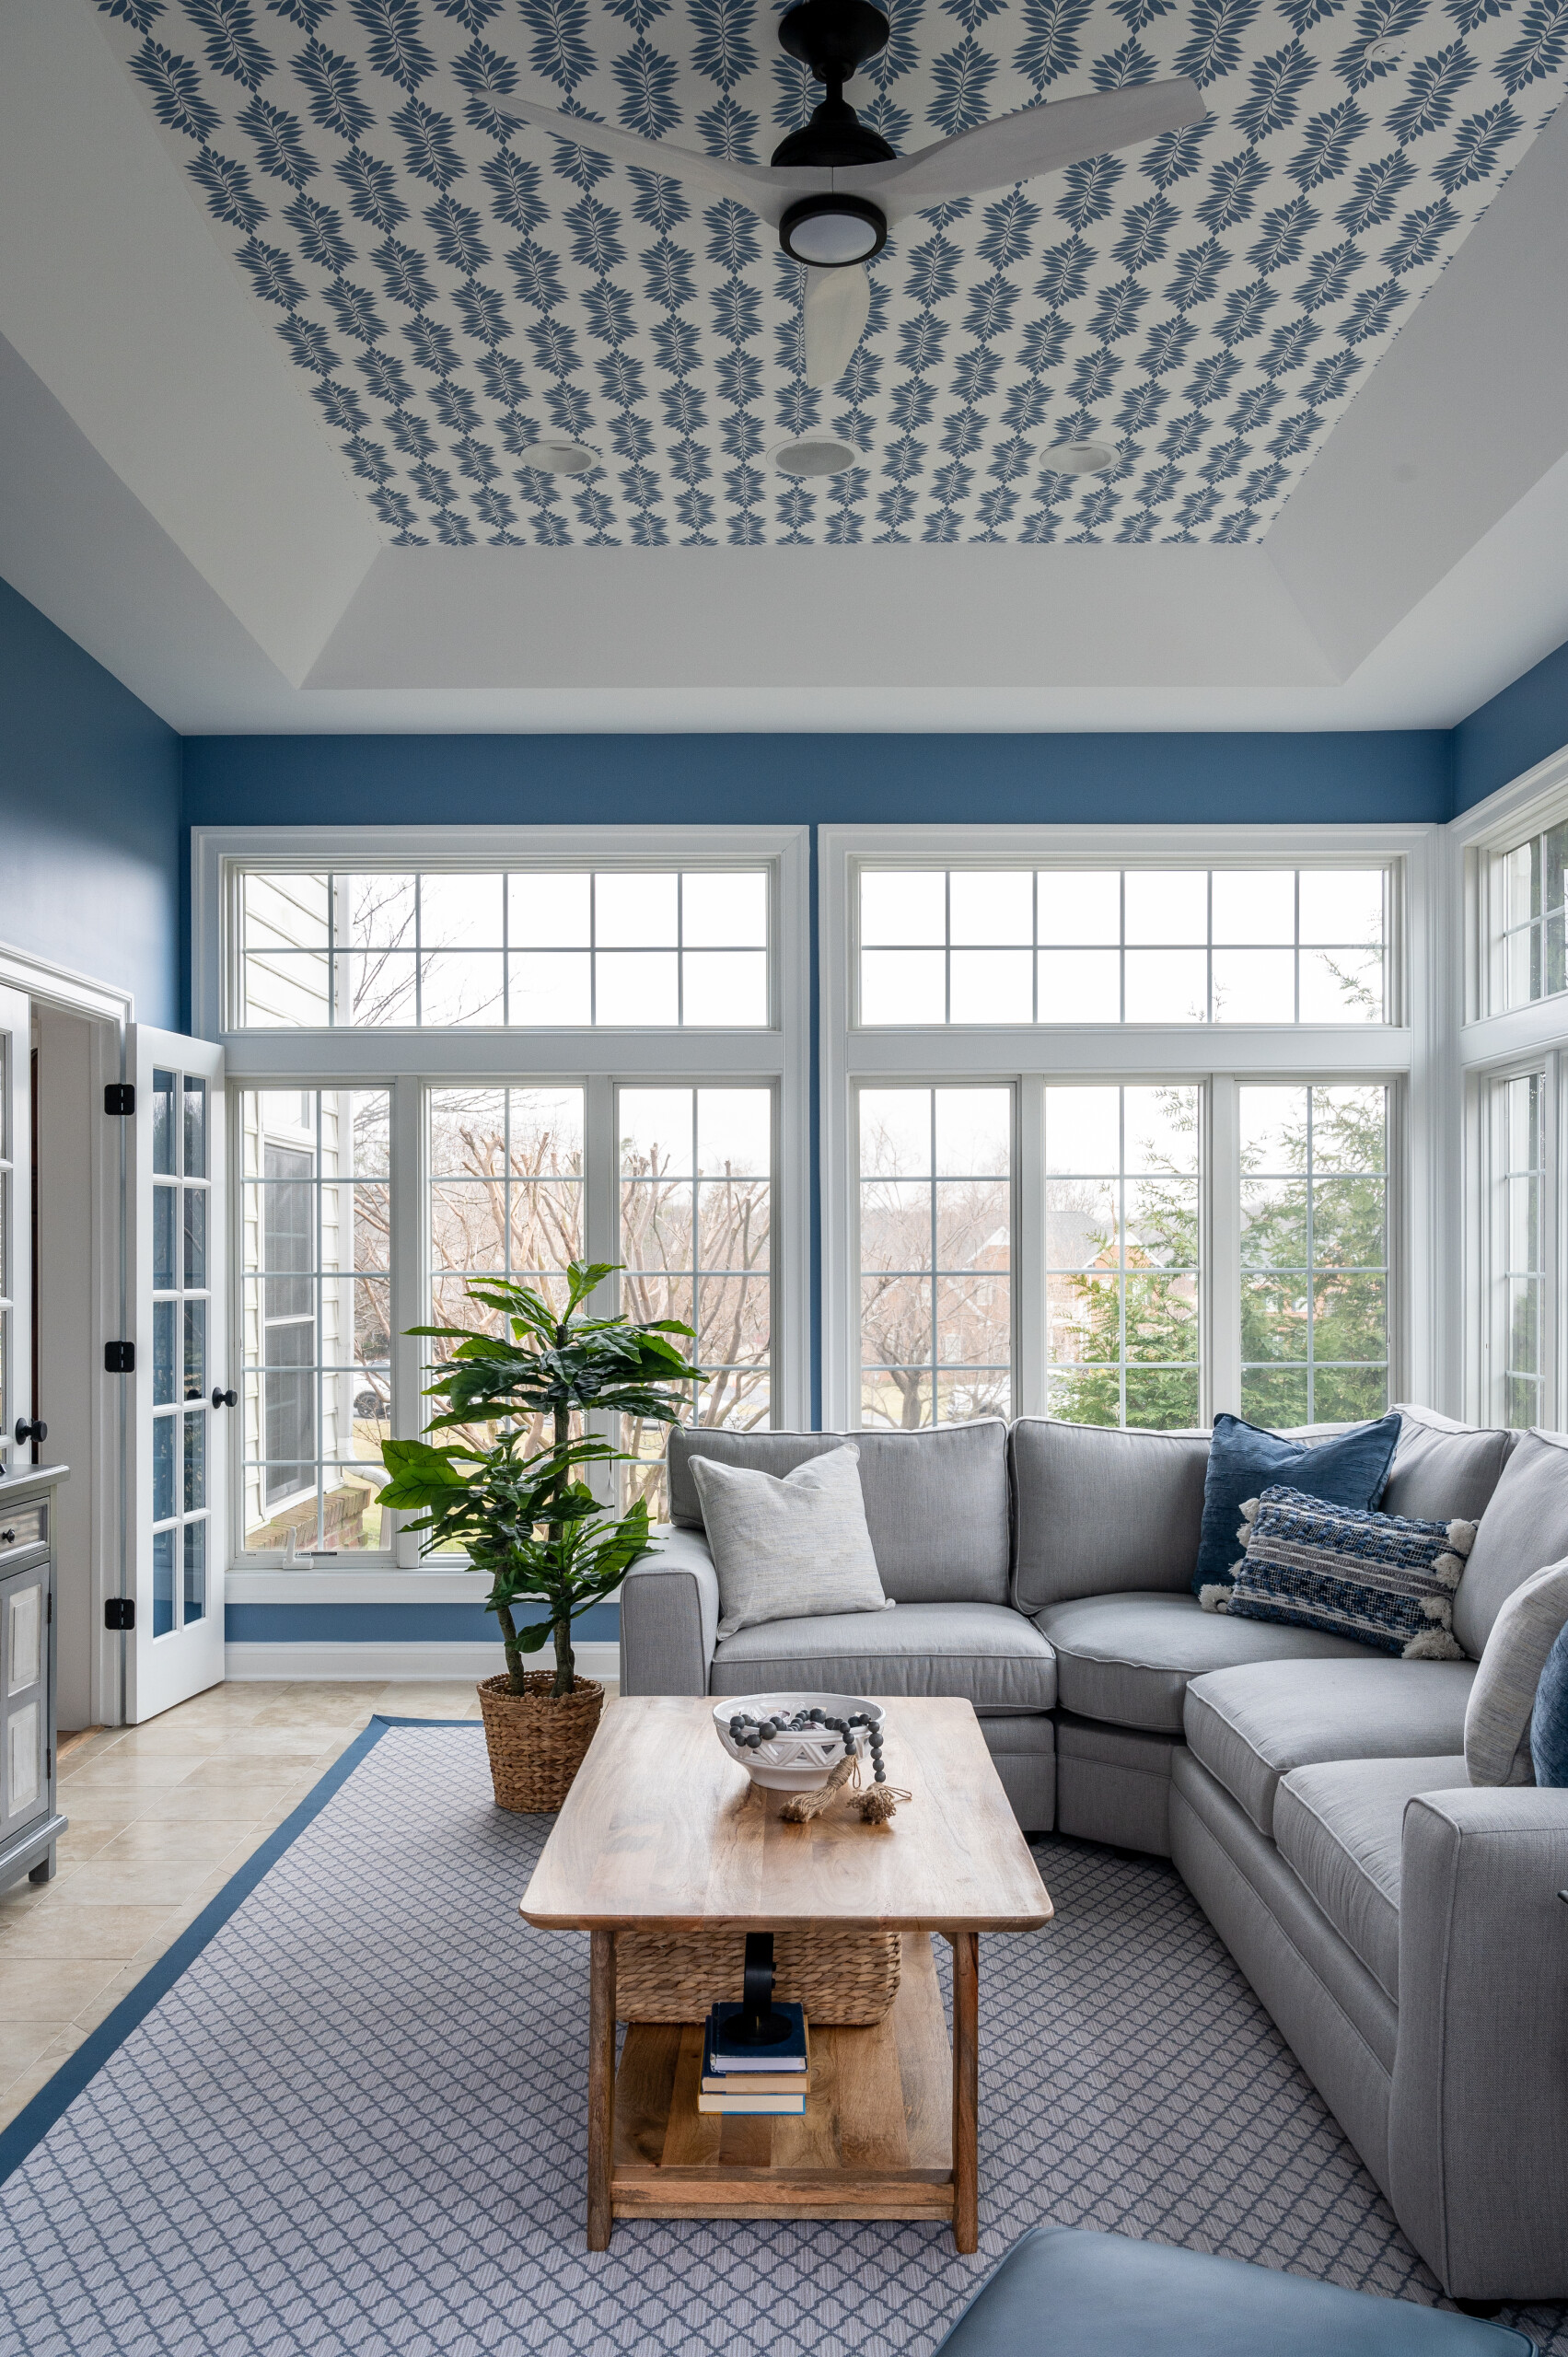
<point x="452" y="283"/>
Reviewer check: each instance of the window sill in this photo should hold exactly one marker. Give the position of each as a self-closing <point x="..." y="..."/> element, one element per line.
<point x="332" y="1583"/>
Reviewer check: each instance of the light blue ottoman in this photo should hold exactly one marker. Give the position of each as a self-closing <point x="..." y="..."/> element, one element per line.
<point x="1059" y="2292"/>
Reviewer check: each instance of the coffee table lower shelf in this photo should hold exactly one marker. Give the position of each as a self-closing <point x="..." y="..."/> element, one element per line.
<point x="876" y="2140"/>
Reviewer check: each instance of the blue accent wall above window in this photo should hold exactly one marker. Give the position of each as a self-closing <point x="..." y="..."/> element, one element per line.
<point x="89" y="816"/>
<point x="1520" y="726"/>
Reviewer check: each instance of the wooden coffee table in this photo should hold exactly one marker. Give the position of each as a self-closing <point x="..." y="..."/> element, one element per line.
<point x="662" y="1831"/>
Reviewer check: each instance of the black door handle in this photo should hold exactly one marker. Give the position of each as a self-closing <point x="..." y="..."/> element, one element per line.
<point x="222" y="1399"/>
<point x="35" y="1431"/>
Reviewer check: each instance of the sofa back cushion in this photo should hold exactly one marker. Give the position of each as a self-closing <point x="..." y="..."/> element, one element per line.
<point x="1444" y="1471"/>
<point x="1098" y="1511"/>
<point x="1525" y="1527"/>
<point x="935" y="1502"/>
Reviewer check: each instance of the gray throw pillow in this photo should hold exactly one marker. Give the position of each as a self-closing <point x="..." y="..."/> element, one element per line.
<point x="1497" y="1718"/>
<point x="785" y="1548"/>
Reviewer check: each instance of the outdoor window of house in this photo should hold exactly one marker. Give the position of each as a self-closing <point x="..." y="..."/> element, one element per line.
<point x="1132" y="946"/>
<point x="1529" y="885"/>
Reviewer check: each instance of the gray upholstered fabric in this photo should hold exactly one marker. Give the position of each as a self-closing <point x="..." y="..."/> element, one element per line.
<point x="1024" y="1756"/>
<point x="1340" y="2025"/>
<point x="1497" y="1723"/>
<point x="1523" y="1529"/>
<point x="1128" y="1658"/>
<point x="788" y="1548"/>
<point x="1444" y="1471"/>
<point x="1478" y="2134"/>
<point x="1100" y="1511"/>
<point x="1338" y="1826"/>
<point x="1113" y="1783"/>
<point x="935" y="1502"/>
<point x="986" y="1652"/>
<point x="669" y="1617"/>
<point x="1251" y="1727"/>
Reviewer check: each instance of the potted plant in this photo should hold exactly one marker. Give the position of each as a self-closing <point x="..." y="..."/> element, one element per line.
<point x="530" y="1519"/>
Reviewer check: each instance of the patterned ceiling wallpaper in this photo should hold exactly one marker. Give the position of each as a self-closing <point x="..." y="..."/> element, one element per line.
<point x="452" y="283"/>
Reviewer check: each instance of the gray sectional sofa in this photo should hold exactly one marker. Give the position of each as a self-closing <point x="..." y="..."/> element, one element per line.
<point x="1402" y="1927"/>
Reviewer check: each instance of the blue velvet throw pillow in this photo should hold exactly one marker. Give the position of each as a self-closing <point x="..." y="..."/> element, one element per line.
<point x="1351" y="1469"/>
<point x="1382" y="1580"/>
<point x="1549" y="1720"/>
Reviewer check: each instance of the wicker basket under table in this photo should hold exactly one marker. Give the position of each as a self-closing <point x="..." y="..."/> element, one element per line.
<point x="839" y="1979"/>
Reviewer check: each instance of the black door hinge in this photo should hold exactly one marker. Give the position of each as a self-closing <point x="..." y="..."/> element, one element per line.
<point x="120" y="1358"/>
<point x="119" y="1612"/>
<point x="119" y="1098"/>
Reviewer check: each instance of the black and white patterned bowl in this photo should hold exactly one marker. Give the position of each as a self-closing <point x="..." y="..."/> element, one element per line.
<point x="794" y="1763"/>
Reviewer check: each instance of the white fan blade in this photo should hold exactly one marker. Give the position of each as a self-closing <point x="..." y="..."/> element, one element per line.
<point x="1020" y="146"/>
<point x="832" y="321"/>
<point x="766" y="191"/>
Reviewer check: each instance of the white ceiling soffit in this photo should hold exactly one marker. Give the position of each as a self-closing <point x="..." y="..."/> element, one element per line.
<point x="167" y="495"/>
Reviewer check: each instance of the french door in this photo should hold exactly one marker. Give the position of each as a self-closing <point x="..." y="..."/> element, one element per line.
<point x="182" y="1392"/>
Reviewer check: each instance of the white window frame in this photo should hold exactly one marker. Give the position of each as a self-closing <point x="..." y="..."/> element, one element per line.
<point x="1403" y="1053"/>
<point x="600" y="1059"/>
<point x="1491" y="1048"/>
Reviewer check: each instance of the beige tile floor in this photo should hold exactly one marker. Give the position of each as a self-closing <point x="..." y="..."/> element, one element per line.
<point x="161" y="1816"/>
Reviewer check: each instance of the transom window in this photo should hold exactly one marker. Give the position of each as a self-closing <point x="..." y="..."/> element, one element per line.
<point x="1121" y="945"/>
<point x="1529" y="888"/>
<point x="548" y="948"/>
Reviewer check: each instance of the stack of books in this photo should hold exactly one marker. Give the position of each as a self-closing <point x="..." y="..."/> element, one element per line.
<point x="772" y="2080"/>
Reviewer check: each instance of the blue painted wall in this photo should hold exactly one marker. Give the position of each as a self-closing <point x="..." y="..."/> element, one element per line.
<point x="428" y="1624"/>
<point x="1522" y="725"/>
<point x="90" y="841"/>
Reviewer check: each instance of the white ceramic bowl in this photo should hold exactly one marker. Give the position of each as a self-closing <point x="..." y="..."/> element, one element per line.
<point x="794" y="1763"/>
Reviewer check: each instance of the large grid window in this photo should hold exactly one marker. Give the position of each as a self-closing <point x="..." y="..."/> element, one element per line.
<point x="1314" y="1253"/>
<point x="1122" y="1223"/>
<point x="506" y="1197"/>
<point x="316" y="1316"/>
<point x="1145" y="945"/>
<point x="1519" y="1250"/>
<point x="935" y="1255"/>
<point x="1529" y="889"/>
<point x="546" y="949"/>
<point x="181" y="1297"/>
<point x="696" y="1220"/>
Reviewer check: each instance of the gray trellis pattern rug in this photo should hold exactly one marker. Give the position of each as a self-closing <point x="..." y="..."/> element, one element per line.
<point x="355" y="2122"/>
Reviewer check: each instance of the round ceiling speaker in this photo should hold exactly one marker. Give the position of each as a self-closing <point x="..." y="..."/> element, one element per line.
<point x="832" y="232"/>
<point x="816" y="454"/>
<point x="1080" y="459"/>
<point x="559" y="457"/>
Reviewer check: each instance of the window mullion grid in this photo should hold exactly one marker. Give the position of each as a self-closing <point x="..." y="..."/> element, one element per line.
<point x="412" y="1287"/>
<point x="932" y="1323"/>
<point x="1220" y="1229"/>
<point x="1030" y="1307"/>
<point x="1312" y="1252"/>
<point x="1121" y="1250"/>
<point x="318" y="1299"/>
<point x="601" y="1241"/>
<point x="696" y="1259"/>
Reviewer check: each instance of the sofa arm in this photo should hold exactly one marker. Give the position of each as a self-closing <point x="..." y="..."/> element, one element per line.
<point x="1478" y="2128"/>
<point x="669" y="1617"/>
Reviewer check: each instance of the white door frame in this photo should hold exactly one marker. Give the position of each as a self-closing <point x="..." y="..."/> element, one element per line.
<point x="109" y="1012"/>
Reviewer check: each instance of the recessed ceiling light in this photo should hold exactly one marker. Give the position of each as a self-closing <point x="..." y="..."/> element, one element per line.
<point x="815" y="454"/>
<point x="1080" y="459"/>
<point x="559" y="457"/>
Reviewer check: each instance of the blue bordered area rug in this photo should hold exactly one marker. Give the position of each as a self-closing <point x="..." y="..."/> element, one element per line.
<point x="347" y="2114"/>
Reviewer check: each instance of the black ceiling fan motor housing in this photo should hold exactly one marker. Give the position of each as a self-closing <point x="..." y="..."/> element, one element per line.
<point x="835" y="37"/>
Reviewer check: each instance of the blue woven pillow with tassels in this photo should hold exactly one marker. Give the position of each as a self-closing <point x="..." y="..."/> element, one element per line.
<point x="1383" y="1579"/>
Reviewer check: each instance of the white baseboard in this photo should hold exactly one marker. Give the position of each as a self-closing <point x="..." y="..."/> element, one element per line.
<point x="388" y="1661"/>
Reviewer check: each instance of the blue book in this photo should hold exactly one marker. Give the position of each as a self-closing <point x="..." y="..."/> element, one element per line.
<point x="726" y="2056"/>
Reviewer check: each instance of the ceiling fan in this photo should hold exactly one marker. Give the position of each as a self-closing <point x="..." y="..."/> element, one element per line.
<point x="835" y="188"/>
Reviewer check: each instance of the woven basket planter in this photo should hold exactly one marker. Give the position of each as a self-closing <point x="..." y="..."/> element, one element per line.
<point x="838" y="1978"/>
<point x="537" y="1744"/>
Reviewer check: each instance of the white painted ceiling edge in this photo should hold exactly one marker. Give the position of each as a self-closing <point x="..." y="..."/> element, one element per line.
<point x="167" y="498"/>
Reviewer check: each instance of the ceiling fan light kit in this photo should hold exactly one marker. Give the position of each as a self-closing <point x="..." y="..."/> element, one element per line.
<point x="831" y="232"/>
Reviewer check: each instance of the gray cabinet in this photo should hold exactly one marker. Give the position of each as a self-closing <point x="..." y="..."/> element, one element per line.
<point x="30" y="1824"/>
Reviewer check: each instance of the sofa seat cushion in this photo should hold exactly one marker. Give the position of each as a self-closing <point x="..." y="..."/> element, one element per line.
<point x="1128" y="1658"/>
<point x="1249" y="1726"/>
<point x="1340" y="1829"/>
<point x="985" y="1653"/>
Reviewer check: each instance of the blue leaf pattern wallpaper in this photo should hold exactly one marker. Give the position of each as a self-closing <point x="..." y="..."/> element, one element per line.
<point x="453" y="284"/>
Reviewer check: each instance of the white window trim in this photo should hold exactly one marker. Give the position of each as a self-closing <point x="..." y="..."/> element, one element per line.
<point x="1491" y="1048"/>
<point x="597" y="1058"/>
<point x="1407" y="1054"/>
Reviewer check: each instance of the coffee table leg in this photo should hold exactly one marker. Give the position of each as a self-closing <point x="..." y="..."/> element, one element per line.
<point x="601" y="2088"/>
<point x="965" y="2090"/>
